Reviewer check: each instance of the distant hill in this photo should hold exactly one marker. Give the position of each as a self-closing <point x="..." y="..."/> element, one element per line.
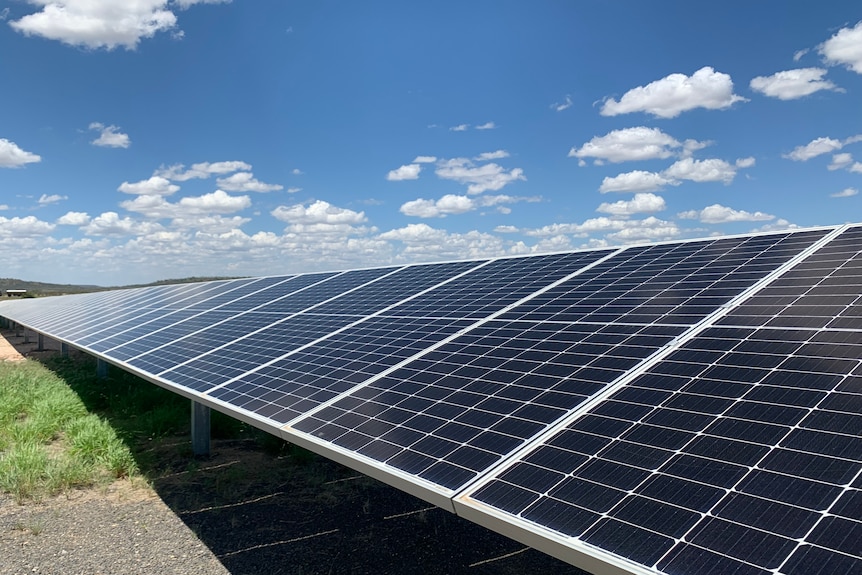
<point x="43" y="289"/>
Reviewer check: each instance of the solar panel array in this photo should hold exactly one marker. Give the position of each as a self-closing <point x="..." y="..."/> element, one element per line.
<point x="684" y="407"/>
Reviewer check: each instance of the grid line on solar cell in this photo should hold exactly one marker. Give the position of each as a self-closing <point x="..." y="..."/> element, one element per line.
<point x="278" y="340"/>
<point x="666" y="283"/>
<point x="246" y="303"/>
<point x="249" y="322"/>
<point x="295" y="384"/>
<point x="494" y="286"/>
<point x="459" y="408"/>
<point x="793" y="464"/>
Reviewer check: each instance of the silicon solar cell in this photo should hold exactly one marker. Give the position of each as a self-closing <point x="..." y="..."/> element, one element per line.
<point x="616" y="408"/>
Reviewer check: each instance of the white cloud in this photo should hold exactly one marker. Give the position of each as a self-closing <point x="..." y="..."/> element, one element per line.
<point x="459" y="128"/>
<point x="814" y="148"/>
<point x="677" y="93"/>
<point x="498" y="155"/>
<point x="320" y="212"/>
<point x="110" y="136"/>
<point x="478" y="178"/>
<point x="451" y="204"/>
<point x="565" y="105"/>
<point x="110" y="224"/>
<point x="856" y="168"/>
<point x="425" y="159"/>
<point x="45" y="199"/>
<point x="506" y="229"/>
<point x="4" y="207"/>
<point x="424" y="243"/>
<point x="246" y="182"/>
<point x="797" y="56"/>
<point x="840" y="161"/>
<point x="156" y="207"/>
<point x="712" y="170"/>
<point x="103" y="23"/>
<point x="845" y="193"/>
<point x="203" y="170"/>
<point x="294" y="171"/>
<point x="4" y="13"/>
<point x="630" y="144"/>
<point x="792" y="84"/>
<point x="844" y="48"/>
<point x="97" y="23"/>
<point x="156" y="185"/>
<point x="746" y="162"/>
<point x="635" y="181"/>
<point x="408" y="172"/>
<point x="74" y="219"/>
<point x="647" y="229"/>
<point x="640" y="204"/>
<point x="27" y="227"/>
<point x="293" y="190"/>
<point x="718" y="214"/>
<point x="487" y="126"/>
<point x="11" y="156"/>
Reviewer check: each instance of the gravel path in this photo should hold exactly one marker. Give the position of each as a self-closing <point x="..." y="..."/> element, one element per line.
<point x="123" y="530"/>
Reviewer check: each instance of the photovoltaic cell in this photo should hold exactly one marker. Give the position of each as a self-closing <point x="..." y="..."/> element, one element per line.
<point x="762" y="454"/>
<point x="458" y="409"/>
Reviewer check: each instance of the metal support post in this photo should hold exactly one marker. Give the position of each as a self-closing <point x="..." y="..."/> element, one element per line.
<point x="101" y="368"/>
<point x="64" y="349"/>
<point x="200" y="429"/>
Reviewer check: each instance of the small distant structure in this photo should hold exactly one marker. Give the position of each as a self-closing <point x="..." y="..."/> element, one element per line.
<point x="16" y="292"/>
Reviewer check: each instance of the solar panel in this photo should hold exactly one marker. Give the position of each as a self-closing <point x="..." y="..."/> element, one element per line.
<point x="684" y="407"/>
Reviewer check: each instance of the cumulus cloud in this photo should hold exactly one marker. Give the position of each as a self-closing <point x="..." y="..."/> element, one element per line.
<point x="246" y="182"/>
<point x="617" y="229"/>
<point x="845" y="193"/>
<point x="294" y="171"/>
<point x="452" y="204"/>
<point x="677" y="93"/>
<point x="293" y="190"/>
<point x="111" y="224"/>
<point x="640" y="204"/>
<point x="156" y="207"/>
<point x="203" y="170"/>
<point x="46" y="199"/>
<point x="487" y="177"/>
<point x="840" y="161"/>
<point x="74" y="219"/>
<point x="26" y="227"/>
<point x="424" y="243"/>
<point x="844" y="48"/>
<point x="634" y="181"/>
<point x="11" y="156"/>
<point x="425" y="159"/>
<point x="564" y="105"/>
<point x="155" y="185"/>
<point x="486" y="156"/>
<point x="319" y="212"/>
<point x="459" y="128"/>
<point x="818" y="147"/>
<point x="746" y="162"/>
<point x="486" y="126"/>
<point x="104" y="24"/>
<point x="793" y="84"/>
<point x="711" y="170"/>
<point x="110" y="136"/>
<point x="407" y="172"/>
<point x="630" y="144"/>
<point x="718" y="214"/>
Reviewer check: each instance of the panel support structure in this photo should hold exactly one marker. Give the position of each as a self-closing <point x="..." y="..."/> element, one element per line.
<point x="64" y="349"/>
<point x="200" y="429"/>
<point x="101" y="368"/>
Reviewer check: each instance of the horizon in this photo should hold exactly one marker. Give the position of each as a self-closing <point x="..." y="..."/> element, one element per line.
<point x="182" y="138"/>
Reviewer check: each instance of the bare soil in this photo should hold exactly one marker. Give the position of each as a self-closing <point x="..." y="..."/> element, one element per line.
<point x="245" y="510"/>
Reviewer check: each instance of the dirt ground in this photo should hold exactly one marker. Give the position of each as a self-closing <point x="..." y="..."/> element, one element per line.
<point x="246" y="511"/>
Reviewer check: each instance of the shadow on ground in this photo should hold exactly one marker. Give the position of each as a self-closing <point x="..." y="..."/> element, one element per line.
<point x="263" y="506"/>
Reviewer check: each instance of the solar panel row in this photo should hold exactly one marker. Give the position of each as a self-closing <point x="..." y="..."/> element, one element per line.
<point x="688" y="407"/>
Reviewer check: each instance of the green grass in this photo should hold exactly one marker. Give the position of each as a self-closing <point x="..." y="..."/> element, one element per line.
<point x="61" y="427"/>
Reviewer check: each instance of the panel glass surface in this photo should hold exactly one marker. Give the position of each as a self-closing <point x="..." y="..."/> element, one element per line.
<point x="734" y="454"/>
<point x="298" y="383"/>
<point x="668" y="283"/>
<point x="492" y="287"/>
<point x="458" y="409"/>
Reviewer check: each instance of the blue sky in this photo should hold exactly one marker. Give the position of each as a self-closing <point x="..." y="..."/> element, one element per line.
<point x="162" y="139"/>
